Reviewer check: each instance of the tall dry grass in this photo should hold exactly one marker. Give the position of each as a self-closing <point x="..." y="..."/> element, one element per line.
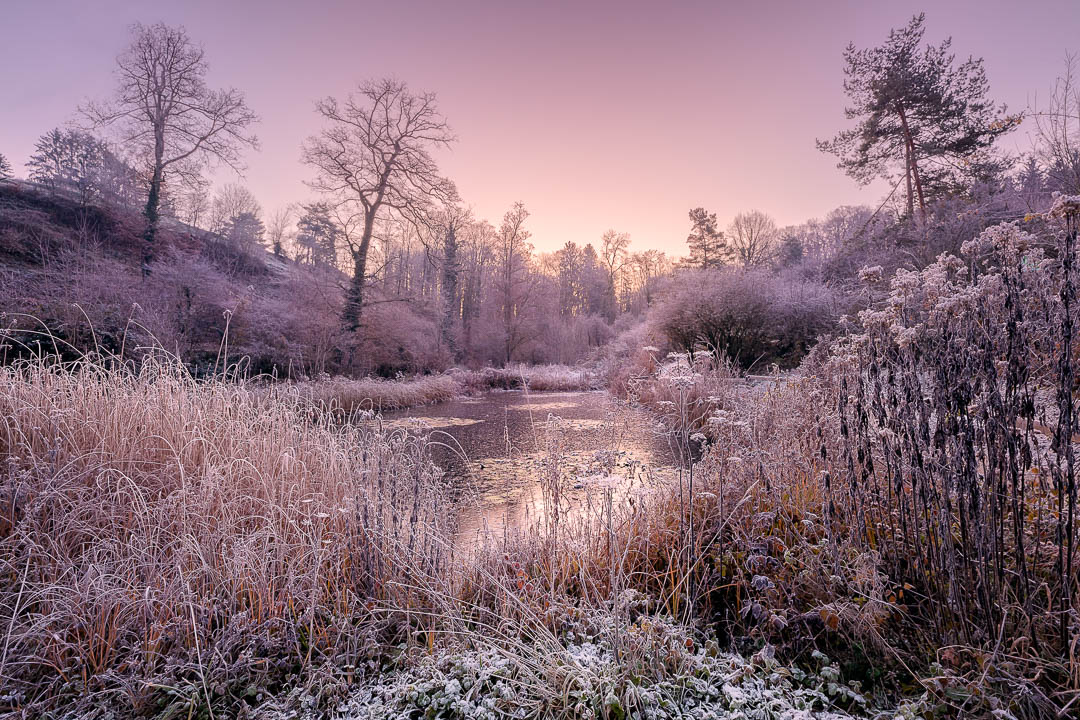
<point x="167" y="545"/>
<point x="959" y="420"/>
<point x="347" y="396"/>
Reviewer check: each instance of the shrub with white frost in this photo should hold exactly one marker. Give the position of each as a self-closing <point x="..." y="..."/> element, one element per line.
<point x="650" y="668"/>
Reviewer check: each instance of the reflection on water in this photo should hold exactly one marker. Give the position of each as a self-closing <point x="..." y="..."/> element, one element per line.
<point x="424" y="423"/>
<point x="503" y="449"/>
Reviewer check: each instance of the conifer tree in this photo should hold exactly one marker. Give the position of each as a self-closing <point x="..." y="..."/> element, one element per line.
<point x="920" y="117"/>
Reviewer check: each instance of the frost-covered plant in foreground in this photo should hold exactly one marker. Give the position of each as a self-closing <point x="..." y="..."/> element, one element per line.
<point x="656" y="670"/>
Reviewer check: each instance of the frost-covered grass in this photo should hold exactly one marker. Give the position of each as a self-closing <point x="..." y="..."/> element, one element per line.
<point x="180" y="548"/>
<point x="205" y="549"/>
<point x="558" y="378"/>
<point x="601" y="665"/>
<point x="540" y="378"/>
<point x="350" y="395"/>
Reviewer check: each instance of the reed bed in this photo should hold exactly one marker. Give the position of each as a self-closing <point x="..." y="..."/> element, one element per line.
<point x="347" y="396"/>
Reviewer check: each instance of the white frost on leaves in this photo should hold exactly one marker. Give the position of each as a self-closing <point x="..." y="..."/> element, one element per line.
<point x="1065" y="205"/>
<point x="690" y="681"/>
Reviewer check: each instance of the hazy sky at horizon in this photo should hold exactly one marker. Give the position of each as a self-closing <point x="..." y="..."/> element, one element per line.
<point x="595" y="115"/>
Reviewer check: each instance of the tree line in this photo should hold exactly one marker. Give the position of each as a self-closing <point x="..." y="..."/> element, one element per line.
<point x="389" y="233"/>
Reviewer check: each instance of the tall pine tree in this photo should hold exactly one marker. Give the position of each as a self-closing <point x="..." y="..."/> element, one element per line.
<point x="921" y="118"/>
<point x="708" y="247"/>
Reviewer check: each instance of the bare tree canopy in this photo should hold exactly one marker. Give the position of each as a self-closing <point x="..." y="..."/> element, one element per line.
<point x="752" y="238"/>
<point x="165" y="114"/>
<point x="231" y="201"/>
<point x="615" y="247"/>
<point x="1058" y="130"/>
<point x="372" y="158"/>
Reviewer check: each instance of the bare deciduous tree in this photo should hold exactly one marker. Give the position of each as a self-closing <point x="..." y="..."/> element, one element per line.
<point x="613" y="253"/>
<point x="648" y="267"/>
<point x="192" y="205"/>
<point x="280" y="228"/>
<point x="231" y="201"/>
<point x="752" y="238"/>
<point x="374" y="155"/>
<point x="514" y="284"/>
<point x="1058" y="130"/>
<point x="165" y="113"/>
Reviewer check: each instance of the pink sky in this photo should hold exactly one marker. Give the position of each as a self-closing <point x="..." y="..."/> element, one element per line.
<point x="595" y="115"/>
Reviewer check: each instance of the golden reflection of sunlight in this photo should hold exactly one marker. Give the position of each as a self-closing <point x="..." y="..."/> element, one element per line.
<point x="552" y="405"/>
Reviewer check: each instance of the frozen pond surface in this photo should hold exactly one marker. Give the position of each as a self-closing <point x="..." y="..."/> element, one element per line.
<point x="505" y="448"/>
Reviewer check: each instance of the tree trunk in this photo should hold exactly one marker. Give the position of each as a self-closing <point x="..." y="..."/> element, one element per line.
<point x="912" y="165"/>
<point x="450" y="290"/>
<point x="907" y="178"/>
<point x="352" y="314"/>
<point x="354" y="296"/>
<point x="153" y="202"/>
<point x="153" y="199"/>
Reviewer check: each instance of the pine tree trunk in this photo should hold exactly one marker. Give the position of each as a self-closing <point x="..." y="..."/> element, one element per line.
<point x="912" y="165"/>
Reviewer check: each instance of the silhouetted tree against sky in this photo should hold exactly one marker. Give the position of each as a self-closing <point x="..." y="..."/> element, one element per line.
<point x="66" y="159"/>
<point x="280" y="228"/>
<point x="374" y="154"/>
<point x="79" y="163"/>
<point x="192" y="203"/>
<point x="752" y="239"/>
<point x="231" y="201"/>
<point x="614" y="247"/>
<point x="5" y="168"/>
<point x="919" y="112"/>
<point x="514" y="285"/>
<point x="648" y="267"/>
<point x="167" y="115"/>
<point x="706" y="242"/>
<point x="317" y="235"/>
<point x="1058" y="129"/>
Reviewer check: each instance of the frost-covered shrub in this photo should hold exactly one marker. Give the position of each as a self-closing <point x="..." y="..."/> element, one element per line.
<point x="751" y="316"/>
<point x="347" y="396"/>
<point x="602" y="667"/>
<point x="395" y="338"/>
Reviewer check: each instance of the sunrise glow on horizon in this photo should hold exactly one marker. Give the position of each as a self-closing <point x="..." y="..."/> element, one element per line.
<point x="595" y="115"/>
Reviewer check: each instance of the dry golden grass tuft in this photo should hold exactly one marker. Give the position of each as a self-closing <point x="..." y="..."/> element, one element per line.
<point x="165" y="541"/>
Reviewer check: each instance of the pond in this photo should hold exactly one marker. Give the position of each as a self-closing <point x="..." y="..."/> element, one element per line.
<point x="510" y="452"/>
